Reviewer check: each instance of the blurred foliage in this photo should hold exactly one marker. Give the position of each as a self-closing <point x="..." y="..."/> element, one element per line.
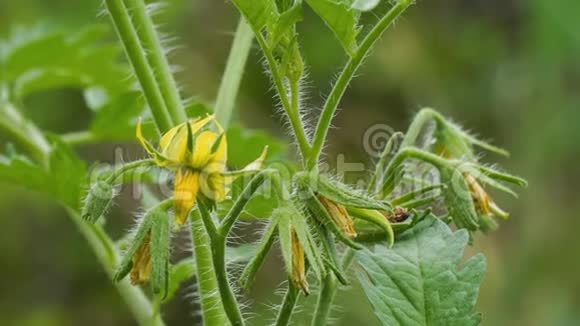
<point x="507" y="69"/>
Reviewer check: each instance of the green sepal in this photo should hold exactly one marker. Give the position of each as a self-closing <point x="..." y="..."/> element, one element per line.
<point x="336" y="271"/>
<point x="285" y="237"/>
<point x="413" y="194"/>
<point x="376" y="218"/>
<point x="458" y="199"/>
<point x="340" y="193"/>
<point x="488" y="223"/>
<point x="142" y="231"/>
<point x="311" y="251"/>
<point x="98" y="201"/>
<point x="160" y="248"/>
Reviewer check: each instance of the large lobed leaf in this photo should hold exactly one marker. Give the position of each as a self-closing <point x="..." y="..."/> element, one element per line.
<point x="418" y="282"/>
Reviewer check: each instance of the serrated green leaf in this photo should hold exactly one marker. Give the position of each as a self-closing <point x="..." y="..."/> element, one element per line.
<point x="67" y="60"/>
<point x="418" y="281"/>
<point x="341" y="18"/>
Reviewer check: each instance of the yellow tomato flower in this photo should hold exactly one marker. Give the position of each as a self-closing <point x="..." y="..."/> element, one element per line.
<point x="197" y="152"/>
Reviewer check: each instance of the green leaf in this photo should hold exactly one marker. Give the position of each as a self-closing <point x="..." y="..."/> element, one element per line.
<point x="18" y="170"/>
<point x="418" y="281"/>
<point x="116" y="120"/>
<point x="245" y="145"/>
<point x="63" y="180"/>
<point x="67" y="174"/>
<point x="341" y="18"/>
<point x="258" y="13"/>
<point x="67" y="60"/>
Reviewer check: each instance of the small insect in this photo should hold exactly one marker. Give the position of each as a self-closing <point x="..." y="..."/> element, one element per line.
<point x="400" y="215"/>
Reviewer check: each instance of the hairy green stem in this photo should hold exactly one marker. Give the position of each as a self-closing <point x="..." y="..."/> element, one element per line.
<point x="136" y="54"/>
<point x="157" y="60"/>
<point x="422" y="118"/>
<point x="130" y="166"/>
<point x="345" y="78"/>
<point x="229" y="301"/>
<point x="211" y="304"/>
<point x="288" y="304"/>
<point x="289" y="105"/>
<point x="241" y="202"/>
<point x="218" y="252"/>
<point x="230" y="84"/>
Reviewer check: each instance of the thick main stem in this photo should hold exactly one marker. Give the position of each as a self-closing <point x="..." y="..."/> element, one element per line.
<point x="136" y="54"/>
<point x="346" y="76"/>
<point x="157" y="60"/>
<point x="233" y="73"/>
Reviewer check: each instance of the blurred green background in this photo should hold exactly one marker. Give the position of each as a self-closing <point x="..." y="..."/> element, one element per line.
<point x="508" y="70"/>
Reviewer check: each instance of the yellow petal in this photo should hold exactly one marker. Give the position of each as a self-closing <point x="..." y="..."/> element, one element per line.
<point x="202" y="150"/>
<point x="174" y="144"/>
<point x="159" y="158"/>
<point x="196" y="125"/>
<point x="185" y="193"/>
<point x="213" y="185"/>
<point x="141" y="270"/>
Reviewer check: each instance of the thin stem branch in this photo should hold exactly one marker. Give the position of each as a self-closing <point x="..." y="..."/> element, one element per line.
<point x="241" y="202"/>
<point x="136" y="54"/>
<point x="288" y="304"/>
<point x="228" y="297"/>
<point x="346" y="76"/>
<point x="230" y="84"/>
<point x="290" y="108"/>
